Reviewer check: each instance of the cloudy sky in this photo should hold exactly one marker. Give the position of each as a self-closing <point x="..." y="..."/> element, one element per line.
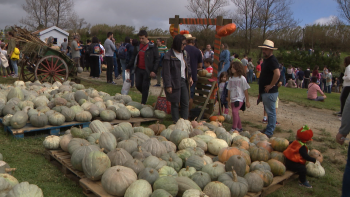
<point x="156" y="13"/>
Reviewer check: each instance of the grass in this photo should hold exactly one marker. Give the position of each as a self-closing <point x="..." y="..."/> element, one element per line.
<point x="299" y="96"/>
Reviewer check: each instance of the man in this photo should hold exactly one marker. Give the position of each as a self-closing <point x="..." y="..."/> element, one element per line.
<point x="162" y="49"/>
<point x="307" y="73"/>
<point x="195" y="62"/>
<point x="144" y="62"/>
<point x="208" y="53"/>
<point x="236" y="59"/>
<point x="109" y="51"/>
<point x="64" y="46"/>
<point x="268" y="90"/>
<point x="76" y="51"/>
<point x="245" y="62"/>
<point x="87" y="55"/>
<point x="300" y="78"/>
<point x="123" y="55"/>
<point x="232" y="58"/>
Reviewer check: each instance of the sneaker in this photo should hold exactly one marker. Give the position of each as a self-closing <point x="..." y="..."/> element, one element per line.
<point x="157" y="85"/>
<point x="305" y="184"/>
<point x="264" y="121"/>
<point x="231" y="131"/>
<point x="15" y="76"/>
<point x="113" y="83"/>
<point x="277" y="123"/>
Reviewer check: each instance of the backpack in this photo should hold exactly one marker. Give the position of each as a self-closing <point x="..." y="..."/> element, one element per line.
<point x="87" y="50"/>
<point x="122" y="52"/>
<point x="96" y="50"/>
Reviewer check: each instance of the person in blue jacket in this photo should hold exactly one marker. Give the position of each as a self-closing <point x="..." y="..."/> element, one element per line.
<point x="224" y="64"/>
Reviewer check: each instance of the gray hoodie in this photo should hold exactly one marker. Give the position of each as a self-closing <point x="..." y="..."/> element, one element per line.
<point x="109" y="48"/>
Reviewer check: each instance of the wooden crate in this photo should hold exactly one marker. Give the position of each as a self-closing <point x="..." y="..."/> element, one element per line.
<point x="204" y="97"/>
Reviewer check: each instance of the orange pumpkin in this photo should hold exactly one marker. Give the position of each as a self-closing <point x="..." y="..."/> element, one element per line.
<point x="279" y="144"/>
<point x="266" y="145"/>
<point x="213" y="118"/>
<point x="240" y="143"/>
<point x="184" y="32"/>
<point x="316" y="154"/>
<point x="227" y="152"/>
<point x="221" y="118"/>
<point x="226" y="30"/>
<point x="277" y="167"/>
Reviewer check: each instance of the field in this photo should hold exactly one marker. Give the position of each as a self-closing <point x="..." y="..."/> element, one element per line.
<point x="27" y="155"/>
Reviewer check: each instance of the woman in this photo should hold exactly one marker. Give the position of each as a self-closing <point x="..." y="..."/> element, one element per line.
<point x="177" y="77"/>
<point x="95" y="51"/>
<point x="224" y="64"/>
<point x="290" y="71"/>
<point x="346" y="85"/>
<point x="313" y="89"/>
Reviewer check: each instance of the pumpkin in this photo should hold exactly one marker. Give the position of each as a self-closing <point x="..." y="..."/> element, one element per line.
<point x="183" y="154"/>
<point x="225" y="136"/>
<point x="211" y="134"/>
<point x="201" y="178"/>
<point x="134" y="164"/>
<point x="123" y="114"/>
<point x="94" y="138"/>
<point x="195" y="161"/>
<point x="185" y="183"/>
<point x="214" y="170"/>
<point x="139" y="138"/>
<point x="154" y="162"/>
<point x="79" y="154"/>
<point x="149" y="174"/>
<point x="118" y="156"/>
<point x="258" y="137"/>
<point x="214" y="118"/>
<point x="237" y="185"/>
<point x="80" y="94"/>
<point x="177" y="135"/>
<point x="226" y="30"/>
<point x="117" y="179"/>
<point x="107" y="115"/>
<point x="202" y="128"/>
<point x="159" y="114"/>
<point x="167" y="171"/>
<point x="65" y="141"/>
<point x="12" y="181"/>
<point x="160" y="193"/>
<point x="266" y="145"/>
<point x="207" y="159"/>
<point x="77" y="109"/>
<point x="278" y="156"/>
<point x="123" y="131"/>
<point x="139" y="188"/>
<point x="155" y="147"/>
<point x="315" y="170"/>
<point x="107" y="141"/>
<point x="25" y="189"/>
<point x="83" y="116"/>
<point x="94" y="111"/>
<point x="157" y="128"/>
<point x="51" y="142"/>
<point x="240" y="142"/>
<point x="140" y="154"/>
<point x="135" y="104"/>
<point x="217" y="189"/>
<point x="201" y="144"/>
<point x="260" y="165"/>
<point x="215" y="145"/>
<point x="170" y="147"/>
<point x="277" y="168"/>
<point x="266" y="176"/>
<point x="6" y="121"/>
<point x="196" y="132"/>
<point x="76" y="143"/>
<point x="255" y="183"/>
<point x="98" y="127"/>
<point x="226" y="153"/>
<point x="279" y="144"/>
<point x="202" y="73"/>
<point x="187" y="143"/>
<point x="182" y="32"/>
<point x="259" y="154"/>
<point x="147" y="112"/>
<point x="19" y="120"/>
<point x="166" y="133"/>
<point x="56" y="119"/>
<point x="129" y="145"/>
<point x="236" y="163"/>
<point x="316" y="154"/>
<point x="193" y="193"/>
<point x="196" y="151"/>
<point x="172" y="160"/>
<point x="80" y="133"/>
<point x="15" y="93"/>
<point x="188" y="171"/>
<point x="167" y="183"/>
<point x="205" y="138"/>
<point x="149" y="132"/>
<point x="184" y="125"/>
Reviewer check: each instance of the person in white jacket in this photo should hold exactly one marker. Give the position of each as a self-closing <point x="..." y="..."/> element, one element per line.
<point x="346" y="85"/>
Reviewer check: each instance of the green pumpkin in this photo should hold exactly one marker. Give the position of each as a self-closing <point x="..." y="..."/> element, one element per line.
<point x="95" y="164"/>
<point x="201" y="179"/>
<point x="147" y="112"/>
<point x="15" y="93"/>
<point x="149" y="132"/>
<point x="154" y="162"/>
<point x="159" y="114"/>
<point x="51" y="142"/>
<point x="217" y="189"/>
<point x="93" y="139"/>
<point x="123" y="114"/>
<point x="170" y="147"/>
<point x="188" y="171"/>
<point x="48" y="113"/>
<point x="6" y="121"/>
<point x="126" y="98"/>
<point x="259" y="165"/>
<point x="107" y="141"/>
<point x="117" y="179"/>
<point x="149" y="174"/>
<point x="183" y="154"/>
<point x="255" y="183"/>
<point x="19" y="120"/>
<point x="168" y="184"/>
<point x="237" y="185"/>
<point x="205" y="138"/>
<point x="97" y="126"/>
<point x="95" y="112"/>
<point x="68" y="114"/>
<point x="139" y="188"/>
<point x="186" y="183"/>
<point x="79" y="154"/>
<point x="80" y="132"/>
<point x="214" y="170"/>
<point x="195" y="161"/>
<point x="201" y="144"/>
<point x="8" y="179"/>
<point x="129" y="145"/>
<point x="133" y="111"/>
<point x="155" y="147"/>
<point x="259" y="153"/>
<point x="24" y="104"/>
<point x="25" y="189"/>
<point x="76" y="143"/>
<point x="39" y="120"/>
<point x="135" y="104"/>
<point x="172" y="160"/>
<point x="266" y="176"/>
<point x="56" y="119"/>
<point x="177" y="135"/>
<point x="139" y="138"/>
<point x="123" y="131"/>
<point x="161" y="193"/>
<point x="166" y="133"/>
<point x="140" y="154"/>
<point x="134" y="164"/>
<point x="107" y="115"/>
<point x="225" y="136"/>
<point x="83" y="116"/>
<point x="118" y="156"/>
<point x="80" y="95"/>
<point x="237" y="163"/>
<point x="196" y="151"/>
<point x="10" y="109"/>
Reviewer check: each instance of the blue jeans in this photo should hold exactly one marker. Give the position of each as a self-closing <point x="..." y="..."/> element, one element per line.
<point x="14" y="65"/>
<point x="269" y="101"/>
<point x="115" y="67"/>
<point x="329" y="89"/>
<point x="123" y="63"/>
<point x="99" y="64"/>
<point x="346" y="177"/>
<point x="283" y="79"/>
<point x="250" y="76"/>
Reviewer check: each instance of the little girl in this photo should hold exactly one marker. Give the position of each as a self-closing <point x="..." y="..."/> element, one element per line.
<point x="223" y="92"/>
<point x="237" y="92"/>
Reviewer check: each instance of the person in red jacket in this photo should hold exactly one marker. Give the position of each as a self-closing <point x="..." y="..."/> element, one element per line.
<point x="297" y="154"/>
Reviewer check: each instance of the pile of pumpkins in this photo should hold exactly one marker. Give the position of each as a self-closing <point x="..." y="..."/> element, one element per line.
<point x="10" y="187"/>
<point x="55" y="104"/>
<point x="160" y="161"/>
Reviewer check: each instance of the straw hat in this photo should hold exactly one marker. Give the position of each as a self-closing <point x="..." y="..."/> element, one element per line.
<point x="189" y="37"/>
<point x="268" y="44"/>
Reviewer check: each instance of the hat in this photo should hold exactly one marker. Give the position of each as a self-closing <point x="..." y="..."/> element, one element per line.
<point x="268" y="44"/>
<point x="305" y="134"/>
<point x="189" y="37"/>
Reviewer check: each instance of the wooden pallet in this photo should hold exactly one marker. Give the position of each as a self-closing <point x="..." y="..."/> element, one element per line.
<point x="136" y="122"/>
<point x="61" y="160"/>
<point x="54" y="130"/>
<point x="203" y="97"/>
<point x="93" y="188"/>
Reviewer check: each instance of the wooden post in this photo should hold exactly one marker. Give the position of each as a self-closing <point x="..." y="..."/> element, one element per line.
<point x="217" y="45"/>
<point x="176" y="25"/>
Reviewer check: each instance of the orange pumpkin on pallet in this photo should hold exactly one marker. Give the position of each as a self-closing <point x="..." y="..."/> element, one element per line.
<point x="226" y="30"/>
<point x="218" y="118"/>
<point x="213" y="118"/>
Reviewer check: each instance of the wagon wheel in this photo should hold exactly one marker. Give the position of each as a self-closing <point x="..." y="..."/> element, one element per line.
<point x="51" y="69"/>
<point x="27" y="71"/>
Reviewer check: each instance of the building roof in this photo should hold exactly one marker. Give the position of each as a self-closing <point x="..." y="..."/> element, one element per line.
<point x="44" y="31"/>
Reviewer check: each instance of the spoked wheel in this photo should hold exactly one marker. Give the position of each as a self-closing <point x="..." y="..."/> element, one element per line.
<point x="27" y="71"/>
<point x="51" y="69"/>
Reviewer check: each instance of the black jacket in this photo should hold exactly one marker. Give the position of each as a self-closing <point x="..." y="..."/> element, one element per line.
<point x="151" y="58"/>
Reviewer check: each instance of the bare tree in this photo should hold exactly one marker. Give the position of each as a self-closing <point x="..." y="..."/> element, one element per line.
<point x="76" y="23"/>
<point x="61" y="13"/>
<point x="344" y="8"/>
<point x="38" y="13"/>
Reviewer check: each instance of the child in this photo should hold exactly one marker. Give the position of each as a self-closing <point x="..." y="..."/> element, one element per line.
<point x="207" y="65"/>
<point x="297" y="154"/>
<point x="7" y="68"/>
<point x="223" y="92"/>
<point x="14" y="59"/>
<point x="237" y="92"/>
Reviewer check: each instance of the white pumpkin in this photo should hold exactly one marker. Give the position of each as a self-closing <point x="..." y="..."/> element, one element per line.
<point x="315" y="169"/>
<point x="187" y="143"/>
<point x="134" y="111"/>
<point x="185" y="125"/>
<point x="215" y="145"/>
<point x="52" y="142"/>
<point x="210" y="133"/>
<point x="194" y="193"/>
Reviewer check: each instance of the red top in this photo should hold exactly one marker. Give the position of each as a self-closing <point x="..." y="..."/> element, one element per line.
<point x="141" y="63"/>
<point x="292" y="152"/>
<point x="315" y="74"/>
<point x="258" y="67"/>
<point x="210" y="69"/>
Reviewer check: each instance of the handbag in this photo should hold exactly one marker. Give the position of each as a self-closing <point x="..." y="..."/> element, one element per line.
<point x="162" y="103"/>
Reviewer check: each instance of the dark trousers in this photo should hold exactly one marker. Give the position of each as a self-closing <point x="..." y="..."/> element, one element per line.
<point x="184" y="103"/>
<point x="298" y="168"/>
<point x="306" y="82"/>
<point x="109" y="61"/>
<point x="142" y="82"/>
<point x="87" y="62"/>
<point x="119" y="67"/>
<point x="10" y="66"/>
<point x="94" y="66"/>
<point x="82" y="62"/>
<point x="344" y="95"/>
